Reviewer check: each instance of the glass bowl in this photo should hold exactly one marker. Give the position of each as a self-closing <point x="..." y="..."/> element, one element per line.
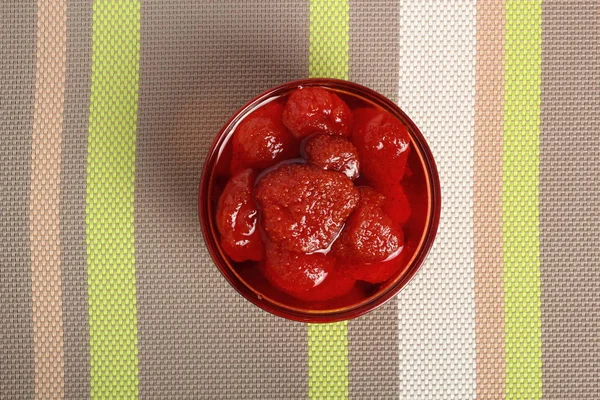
<point x="249" y="284"/>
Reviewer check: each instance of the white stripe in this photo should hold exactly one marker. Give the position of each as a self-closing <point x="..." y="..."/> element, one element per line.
<point x="437" y="90"/>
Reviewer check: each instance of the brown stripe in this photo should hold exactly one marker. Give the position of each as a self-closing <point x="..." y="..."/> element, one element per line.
<point x="44" y="213"/>
<point x="197" y="337"/>
<point x="569" y="184"/>
<point x="17" y="87"/>
<point x="374" y="62"/>
<point x="487" y="201"/>
<point x="375" y="45"/>
<point x="72" y="199"/>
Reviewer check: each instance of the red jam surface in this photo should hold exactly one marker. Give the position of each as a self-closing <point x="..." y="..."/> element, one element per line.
<point x="319" y="199"/>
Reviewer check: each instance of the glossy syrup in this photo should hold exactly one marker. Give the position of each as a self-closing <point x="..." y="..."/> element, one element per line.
<point x="415" y="186"/>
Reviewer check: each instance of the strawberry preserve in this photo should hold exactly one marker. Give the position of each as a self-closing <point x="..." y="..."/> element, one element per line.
<point x="319" y="201"/>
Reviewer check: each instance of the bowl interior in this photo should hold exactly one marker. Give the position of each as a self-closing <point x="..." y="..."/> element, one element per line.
<point x="419" y="237"/>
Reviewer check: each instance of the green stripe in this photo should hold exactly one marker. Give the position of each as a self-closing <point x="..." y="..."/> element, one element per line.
<point x="329" y="57"/>
<point x="329" y="39"/>
<point x="520" y="197"/>
<point x="109" y="199"/>
<point x="328" y="361"/>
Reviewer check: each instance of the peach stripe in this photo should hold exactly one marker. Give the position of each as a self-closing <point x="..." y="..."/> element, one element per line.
<point x="489" y="292"/>
<point x="45" y="198"/>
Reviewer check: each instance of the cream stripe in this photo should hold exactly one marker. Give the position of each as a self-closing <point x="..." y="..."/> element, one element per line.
<point x="45" y="198"/>
<point x="487" y="204"/>
<point x="437" y="90"/>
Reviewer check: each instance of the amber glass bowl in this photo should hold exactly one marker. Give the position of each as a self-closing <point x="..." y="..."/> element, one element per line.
<point x="248" y="281"/>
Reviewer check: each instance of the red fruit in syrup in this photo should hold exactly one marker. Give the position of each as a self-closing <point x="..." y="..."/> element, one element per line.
<point x="333" y="153"/>
<point x="261" y="140"/>
<point x="335" y="285"/>
<point x="396" y="204"/>
<point x="296" y="273"/>
<point x="376" y="272"/>
<point x="303" y="207"/>
<point x="383" y="144"/>
<point x="316" y="110"/>
<point x="237" y="218"/>
<point x="369" y="235"/>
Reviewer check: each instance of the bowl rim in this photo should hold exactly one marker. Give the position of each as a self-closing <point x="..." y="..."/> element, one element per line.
<point x="383" y="295"/>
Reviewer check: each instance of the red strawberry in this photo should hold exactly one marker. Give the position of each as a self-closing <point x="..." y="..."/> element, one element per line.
<point x="303" y="207"/>
<point x="383" y="144"/>
<point x="333" y="153"/>
<point x="396" y="205"/>
<point x="237" y="219"/>
<point x="261" y="140"/>
<point x="369" y="235"/>
<point x="316" y="110"/>
<point x="296" y="273"/>
<point x="376" y="272"/>
<point x="335" y="285"/>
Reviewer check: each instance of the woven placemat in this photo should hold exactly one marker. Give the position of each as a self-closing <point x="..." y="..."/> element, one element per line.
<point x="107" y="110"/>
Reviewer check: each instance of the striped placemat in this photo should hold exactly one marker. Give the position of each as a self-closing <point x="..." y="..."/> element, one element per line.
<point x="107" y="109"/>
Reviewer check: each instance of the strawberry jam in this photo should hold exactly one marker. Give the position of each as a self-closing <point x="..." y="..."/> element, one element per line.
<point x="320" y="199"/>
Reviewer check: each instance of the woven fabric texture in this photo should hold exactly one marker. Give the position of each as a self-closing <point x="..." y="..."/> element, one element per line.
<point x="108" y="108"/>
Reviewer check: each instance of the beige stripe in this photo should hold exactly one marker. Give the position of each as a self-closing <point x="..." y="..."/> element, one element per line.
<point x="17" y="87"/>
<point x="198" y="339"/>
<point x="374" y="62"/>
<point x="44" y="199"/>
<point x="569" y="207"/>
<point x="72" y="195"/>
<point x="487" y="218"/>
